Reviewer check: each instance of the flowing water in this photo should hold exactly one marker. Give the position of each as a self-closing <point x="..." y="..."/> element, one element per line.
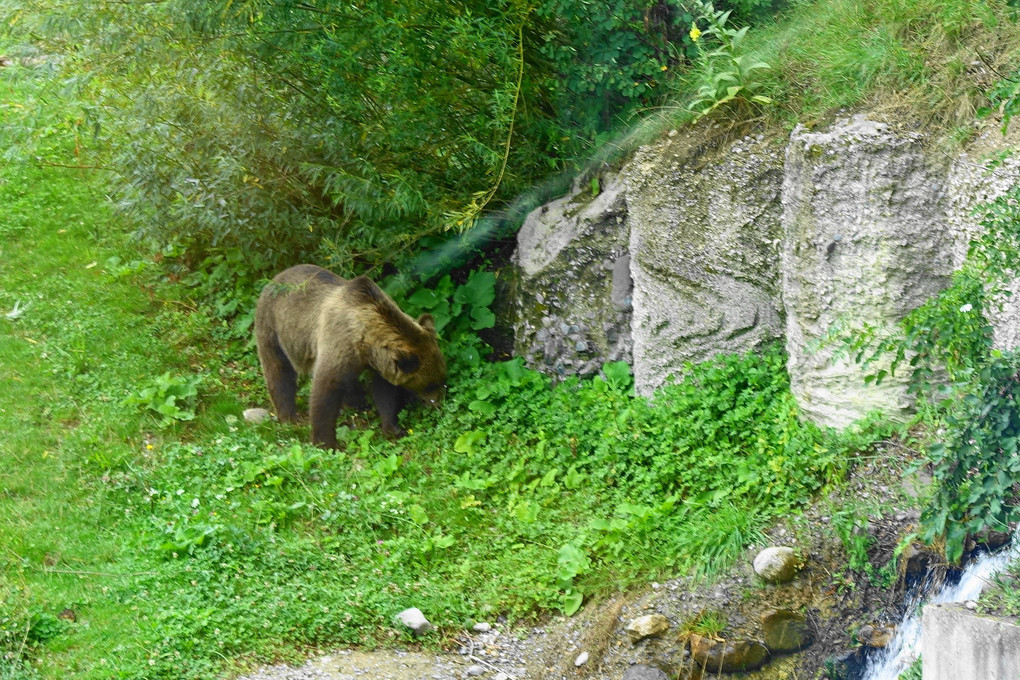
<point x="906" y="644"/>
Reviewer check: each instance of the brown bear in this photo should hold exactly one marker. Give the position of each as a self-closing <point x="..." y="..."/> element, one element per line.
<point x="310" y="321"/>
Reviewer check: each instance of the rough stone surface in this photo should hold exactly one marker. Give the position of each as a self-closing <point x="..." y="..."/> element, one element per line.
<point x="956" y="644"/>
<point x="786" y="631"/>
<point x="970" y="184"/>
<point x="572" y="297"/>
<point x="646" y="626"/>
<point x="704" y="244"/>
<point x="704" y="235"/>
<point x="864" y="243"/>
<point x="415" y="620"/>
<point x="916" y="558"/>
<point x="777" y="564"/>
<point x="255" y="415"/>
<point x="729" y="656"/>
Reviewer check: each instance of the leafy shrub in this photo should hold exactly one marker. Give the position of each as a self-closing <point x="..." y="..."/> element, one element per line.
<point x="172" y="397"/>
<point x="729" y="74"/>
<point x="274" y="131"/>
<point x="947" y="346"/>
<point x="459" y="311"/>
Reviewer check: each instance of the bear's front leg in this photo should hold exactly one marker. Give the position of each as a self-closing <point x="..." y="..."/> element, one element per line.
<point x="389" y="401"/>
<point x="329" y="393"/>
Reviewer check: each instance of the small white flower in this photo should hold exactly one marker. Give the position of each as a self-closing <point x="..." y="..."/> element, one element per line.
<point x="194" y="502"/>
<point x="967" y="307"/>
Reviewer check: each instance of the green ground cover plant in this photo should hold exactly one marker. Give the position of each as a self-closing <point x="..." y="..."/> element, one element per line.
<point x="148" y="533"/>
<point x="176" y="542"/>
<point x="920" y="58"/>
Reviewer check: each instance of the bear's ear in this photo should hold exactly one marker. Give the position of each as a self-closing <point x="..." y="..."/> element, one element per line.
<point x="407" y="363"/>
<point x="428" y="323"/>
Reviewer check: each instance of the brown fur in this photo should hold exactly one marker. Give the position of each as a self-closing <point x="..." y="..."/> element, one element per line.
<point x="310" y="321"/>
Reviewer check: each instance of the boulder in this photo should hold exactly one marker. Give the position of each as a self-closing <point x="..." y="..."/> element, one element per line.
<point x="704" y="215"/>
<point x="864" y="242"/>
<point x="571" y="298"/>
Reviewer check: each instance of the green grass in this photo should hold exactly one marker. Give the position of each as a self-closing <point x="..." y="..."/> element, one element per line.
<point x="931" y="59"/>
<point x="193" y="549"/>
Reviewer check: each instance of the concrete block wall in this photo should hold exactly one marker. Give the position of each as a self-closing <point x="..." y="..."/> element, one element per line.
<point x="957" y="644"/>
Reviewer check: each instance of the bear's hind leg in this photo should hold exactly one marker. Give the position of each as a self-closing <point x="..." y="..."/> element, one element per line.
<point x="281" y="378"/>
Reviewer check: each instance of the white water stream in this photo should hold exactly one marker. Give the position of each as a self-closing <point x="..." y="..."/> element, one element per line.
<point x="906" y="644"/>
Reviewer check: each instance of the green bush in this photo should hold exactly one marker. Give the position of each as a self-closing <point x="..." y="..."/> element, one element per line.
<point x="260" y="133"/>
<point x="947" y="347"/>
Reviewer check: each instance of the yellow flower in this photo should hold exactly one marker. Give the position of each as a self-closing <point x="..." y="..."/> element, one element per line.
<point x="695" y="33"/>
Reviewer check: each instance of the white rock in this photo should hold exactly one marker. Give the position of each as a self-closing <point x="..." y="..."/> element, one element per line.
<point x="255" y="415"/>
<point x="581" y="659"/>
<point x="776" y="564"/>
<point x="415" y="620"/>
<point x="646" y="626"/>
<point x="482" y="627"/>
<point x="475" y="670"/>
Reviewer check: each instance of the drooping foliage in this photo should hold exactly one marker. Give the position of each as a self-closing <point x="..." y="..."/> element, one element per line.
<point x="251" y="134"/>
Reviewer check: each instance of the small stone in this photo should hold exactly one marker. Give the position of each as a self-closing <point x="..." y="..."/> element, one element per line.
<point x="501" y="676"/>
<point x="970" y="604"/>
<point x="876" y="637"/>
<point x="916" y="558"/>
<point x="786" y="631"/>
<point x="475" y="670"/>
<point x="642" y="672"/>
<point x="776" y="564"/>
<point x="482" y="627"/>
<point x="255" y="415"/>
<point x="415" y="620"/>
<point x="581" y="659"/>
<point x="729" y="656"/>
<point x="647" y="626"/>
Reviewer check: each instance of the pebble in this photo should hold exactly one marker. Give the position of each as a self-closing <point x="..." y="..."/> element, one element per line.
<point x="475" y="670"/>
<point x="255" y="415"/>
<point x="482" y="627"/>
<point x="581" y="659"/>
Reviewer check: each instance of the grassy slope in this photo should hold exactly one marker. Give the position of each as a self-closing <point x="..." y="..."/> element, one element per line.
<point x="84" y="341"/>
<point x="185" y="548"/>
<point x="182" y="549"/>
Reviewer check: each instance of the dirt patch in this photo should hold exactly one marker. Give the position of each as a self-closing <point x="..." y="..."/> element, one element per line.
<point x="360" y="665"/>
